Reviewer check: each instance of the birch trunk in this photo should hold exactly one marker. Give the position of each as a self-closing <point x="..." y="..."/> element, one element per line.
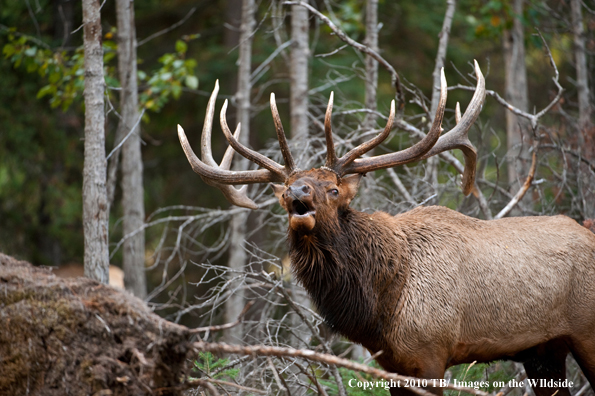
<point x="237" y="254"/>
<point x="300" y="54"/>
<point x="95" y="208"/>
<point x="298" y="113"/>
<point x="359" y="353"/>
<point x="586" y="128"/>
<point x="371" y="64"/>
<point x="438" y="65"/>
<point x="132" y="163"/>
<point x="582" y="77"/>
<point x="517" y="133"/>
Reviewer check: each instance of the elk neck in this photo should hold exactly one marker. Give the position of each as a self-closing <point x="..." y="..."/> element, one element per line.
<point x="351" y="275"/>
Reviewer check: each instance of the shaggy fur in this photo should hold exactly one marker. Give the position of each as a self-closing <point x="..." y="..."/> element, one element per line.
<point x="432" y="288"/>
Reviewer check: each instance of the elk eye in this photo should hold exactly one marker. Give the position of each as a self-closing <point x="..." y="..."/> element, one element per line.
<point x="334" y="192"/>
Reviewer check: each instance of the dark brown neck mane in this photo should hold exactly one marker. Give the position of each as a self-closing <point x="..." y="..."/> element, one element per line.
<point x="346" y="273"/>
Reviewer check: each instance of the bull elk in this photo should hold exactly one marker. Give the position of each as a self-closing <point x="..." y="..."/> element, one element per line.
<point x="430" y="288"/>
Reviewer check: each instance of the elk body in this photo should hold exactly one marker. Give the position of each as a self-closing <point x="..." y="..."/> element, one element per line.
<point x="430" y="288"/>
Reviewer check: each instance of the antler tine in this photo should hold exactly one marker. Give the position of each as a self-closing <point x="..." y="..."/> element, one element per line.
<point x="331" y="155"/>
<point x="236" y="196"/>
<point x="457" y="137"/>
<point x="370" y="144"/>
<point x="229" y="152"/>
<point x="207" y="128"/>
<point x="287" y="158"/>
<point x="250" y="154"/>
<point x="457" y="113"/>
<point x="222" y="176"/>
<point x="411" y="154"/>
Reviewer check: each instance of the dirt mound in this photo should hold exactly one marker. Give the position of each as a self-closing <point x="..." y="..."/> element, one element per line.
<point x="78" y="337"/>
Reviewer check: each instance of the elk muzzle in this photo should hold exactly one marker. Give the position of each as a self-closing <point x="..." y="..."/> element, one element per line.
<point x="300" y="206"/>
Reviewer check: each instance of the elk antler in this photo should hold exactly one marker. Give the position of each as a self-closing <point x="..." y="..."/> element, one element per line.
<point x="219" y="175"/>
<point x="457" y="137"/>
<point x="430" y="145"/>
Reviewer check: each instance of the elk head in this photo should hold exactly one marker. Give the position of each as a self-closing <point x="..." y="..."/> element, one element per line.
<point x="310" y="195"/>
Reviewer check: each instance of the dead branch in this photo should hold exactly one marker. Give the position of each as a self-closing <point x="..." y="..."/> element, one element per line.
<point x="533" y="118"/>
<point x="262" y="350"/>
<point x="396" y="81"/>
<point x="521" y="193"/>
<point x="227" y="325"/>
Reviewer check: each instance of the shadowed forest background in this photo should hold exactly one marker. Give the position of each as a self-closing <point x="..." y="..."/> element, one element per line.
<point x="184" y="46"/>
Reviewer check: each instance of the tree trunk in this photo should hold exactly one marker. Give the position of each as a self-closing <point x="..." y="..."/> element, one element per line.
<point x="237" y="254"/>
<point x="298" y="113"/>
<point x="586" y="128"/>
<point x="300" y="54"/>
<point x="433" y="162"/>
<point x="359" y="352"/>
<point x="517" y="133"/>
<point x="441" y="54"/>
<point x="582" y="78"/>
<point x="95" y="208"/>
<point x="132" y="163"/>
<point x="371" y="64"/>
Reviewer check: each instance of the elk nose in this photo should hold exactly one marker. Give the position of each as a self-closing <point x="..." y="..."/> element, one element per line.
<point x="299" y="192"/>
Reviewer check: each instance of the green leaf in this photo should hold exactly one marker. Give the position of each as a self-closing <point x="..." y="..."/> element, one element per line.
<point x="176" y="91"/>
<point x="181" y="47"/>
<point x="54" y="77"/>
<point x="192" y="82"/>
<point x="8" y="50"/>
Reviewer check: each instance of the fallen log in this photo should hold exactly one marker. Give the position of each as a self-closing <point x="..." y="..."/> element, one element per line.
<point x="78" y="337"/>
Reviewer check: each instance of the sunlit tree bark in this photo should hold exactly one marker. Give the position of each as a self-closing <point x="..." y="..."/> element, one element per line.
<point x="132" y="163"/>
<point x="516" y="93"/>
<point x="95" y="207"/>
<point x="438" y="65"/>
<point x="237" y="254"/>
<point x="300" y="54"/>
<point x="586" y="127"/>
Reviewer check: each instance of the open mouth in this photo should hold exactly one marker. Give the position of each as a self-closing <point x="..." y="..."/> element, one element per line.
<point x="300" y="208"/>
<point x="302" y="215"/>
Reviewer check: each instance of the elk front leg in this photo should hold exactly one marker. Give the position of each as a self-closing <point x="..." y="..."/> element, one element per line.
<point x="432" y="371"/>
<point x="546" y="364"/>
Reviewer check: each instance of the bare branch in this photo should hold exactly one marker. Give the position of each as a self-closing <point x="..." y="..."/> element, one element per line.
<point x="533" y="118"/>
<point x="263" y="350"/>
<point x="521" y="193"/>
<point x="396" y="81"/>
<point x="227" y="325"/>
<point x="169" y="29"/>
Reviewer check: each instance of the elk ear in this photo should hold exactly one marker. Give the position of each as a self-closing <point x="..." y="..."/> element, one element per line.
<point x="350" y="185"/>
<point x="279" y="189"/>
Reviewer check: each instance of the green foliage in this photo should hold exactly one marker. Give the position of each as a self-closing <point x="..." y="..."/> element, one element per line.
<point x="351" y="379"/>
<point x="351" y="16"/>
<point x="63" y="71"/>
<point x="490" y="373"/>
<point x="175" y="72"/>
<point x="207" y="364"/>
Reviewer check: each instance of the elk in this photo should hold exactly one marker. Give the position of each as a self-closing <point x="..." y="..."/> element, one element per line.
<point x="430" y="288"/>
